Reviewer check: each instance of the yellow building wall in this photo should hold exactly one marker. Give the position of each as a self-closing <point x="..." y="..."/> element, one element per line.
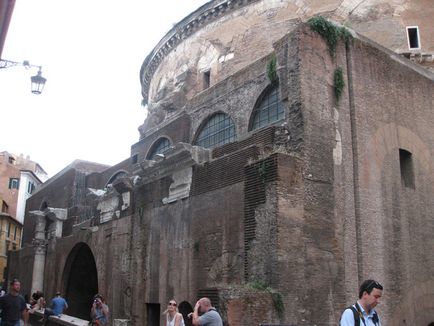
<point x="10" y="239"/>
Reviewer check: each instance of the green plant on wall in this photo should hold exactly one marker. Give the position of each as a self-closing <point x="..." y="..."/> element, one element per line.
<point x="332" y="34"/>
<point x="262" y="169"/>
<point x="258" y="285"/>
<point x="272" y="70"/>
<point x="339" y="82"/>
<point x="345" y="35"/>
<point x="329" y="32"/>
<point x="277" y="302"/>
<point x="275" y="296"/>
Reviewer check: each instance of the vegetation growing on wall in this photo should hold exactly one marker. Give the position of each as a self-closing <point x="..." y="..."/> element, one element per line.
<point x="263" y="167"/>
<point x="275" y="296"/>
<point x="339" y="82"/>
<point x="332" y="34"/>
<point x="272" y="70"/>
<point x="329" y="32"/>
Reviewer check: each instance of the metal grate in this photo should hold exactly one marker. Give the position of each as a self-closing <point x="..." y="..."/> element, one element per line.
<point x="218" y="130"/>
<point x="269" y="110"/>
<point x="212" y="294"/>
<point x="256" y="176"/>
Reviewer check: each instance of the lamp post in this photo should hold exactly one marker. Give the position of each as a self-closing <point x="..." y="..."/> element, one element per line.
<point x="37" y="81"/>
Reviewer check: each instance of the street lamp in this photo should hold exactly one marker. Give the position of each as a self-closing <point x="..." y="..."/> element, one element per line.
<point x="37" y="81"/>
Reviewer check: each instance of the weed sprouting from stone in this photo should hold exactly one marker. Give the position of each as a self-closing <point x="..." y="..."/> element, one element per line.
<point x="329" y="32"/>
<point x="275" y="296"/>
<point x="339" y="82"/>
<point x="272" y="70"/>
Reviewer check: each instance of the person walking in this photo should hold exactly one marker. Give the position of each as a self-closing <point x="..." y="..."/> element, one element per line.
<point x="370" y="293"/>
<point x="205" y="314"/>
<point x="58" y="305"/>
<point x="173" y="317"/>
<point x="13" y="306"/>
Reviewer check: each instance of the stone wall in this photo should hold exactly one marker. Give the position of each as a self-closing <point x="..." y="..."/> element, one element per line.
<point x="60" y="192"/>
<point x="302" y="210"/>
<point x="223" y="37"/>
<point x="385" y="109"/>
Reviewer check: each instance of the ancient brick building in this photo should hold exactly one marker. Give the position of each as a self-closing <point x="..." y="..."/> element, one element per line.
<point x="274" y="172"/>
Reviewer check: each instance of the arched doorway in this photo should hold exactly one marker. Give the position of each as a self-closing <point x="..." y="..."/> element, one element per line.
<point x="80" y="281"/>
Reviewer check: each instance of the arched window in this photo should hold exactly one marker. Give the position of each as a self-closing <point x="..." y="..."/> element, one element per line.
<point x="218" y="130"/>
<point x="160" y="147"/>
<point x="117" y="175"/>
<point x="268" y="109"/>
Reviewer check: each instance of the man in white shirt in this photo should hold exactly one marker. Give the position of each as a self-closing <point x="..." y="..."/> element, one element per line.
<point x="363" y="310"/>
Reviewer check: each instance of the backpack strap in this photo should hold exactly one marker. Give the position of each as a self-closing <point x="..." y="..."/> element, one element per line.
<point x="356" y="315"/>
<point x="375" y="318"/>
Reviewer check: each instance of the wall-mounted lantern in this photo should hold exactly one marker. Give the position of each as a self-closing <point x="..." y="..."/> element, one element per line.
<point x="37" y="81"/>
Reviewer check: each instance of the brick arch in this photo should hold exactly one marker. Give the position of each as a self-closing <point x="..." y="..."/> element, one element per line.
<point x="386" y="139"/>
<point x="80" y="280"/>
<point x="116" y="175"/>
<point x="155" y="143"/>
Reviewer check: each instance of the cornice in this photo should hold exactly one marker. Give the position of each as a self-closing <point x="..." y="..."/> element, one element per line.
<point x="206" y="14"/>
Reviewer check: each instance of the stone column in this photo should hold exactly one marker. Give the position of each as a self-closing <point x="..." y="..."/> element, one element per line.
<point x="39" y="244"/>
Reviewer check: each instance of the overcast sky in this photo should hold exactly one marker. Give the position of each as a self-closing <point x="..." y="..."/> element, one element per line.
<point x="91" y="52"/>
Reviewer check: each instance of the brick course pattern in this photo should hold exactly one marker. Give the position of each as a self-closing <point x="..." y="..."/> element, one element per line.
<point x="279" y="226"/>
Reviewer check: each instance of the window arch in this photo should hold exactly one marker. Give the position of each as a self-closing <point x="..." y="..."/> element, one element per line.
<point x="268" y="109"/>
<point x="217" y="131"/>
<point x="117" y="175"/>
<point x="161" y="146"/>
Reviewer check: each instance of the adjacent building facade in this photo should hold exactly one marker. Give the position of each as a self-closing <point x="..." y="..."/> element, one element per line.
<point x="275" y="171"/>
<point x="19" y="178"/>
<point x="6" y="9"/>
<point x="10" y="239"/>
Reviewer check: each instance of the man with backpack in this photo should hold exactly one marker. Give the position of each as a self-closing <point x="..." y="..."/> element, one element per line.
<point x="363" y="310"/>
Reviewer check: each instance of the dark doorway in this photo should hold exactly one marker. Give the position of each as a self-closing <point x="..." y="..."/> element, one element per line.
<point x="80" y="281"/>
<point x="153" y="314"/>
<point x="185" y="308"/>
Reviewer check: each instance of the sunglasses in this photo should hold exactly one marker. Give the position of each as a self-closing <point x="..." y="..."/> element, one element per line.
<point x="172" y="304"/>
<point x="372" y="285"/>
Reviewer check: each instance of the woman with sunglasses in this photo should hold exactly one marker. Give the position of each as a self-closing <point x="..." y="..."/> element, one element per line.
<point x="173" y="317"/>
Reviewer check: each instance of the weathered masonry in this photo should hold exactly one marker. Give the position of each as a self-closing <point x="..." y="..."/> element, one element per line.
<point x="273" y="174"/>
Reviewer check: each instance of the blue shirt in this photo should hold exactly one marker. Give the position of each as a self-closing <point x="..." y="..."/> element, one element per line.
<point x="347" y="318"/>
<point x="58" y="304"/>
